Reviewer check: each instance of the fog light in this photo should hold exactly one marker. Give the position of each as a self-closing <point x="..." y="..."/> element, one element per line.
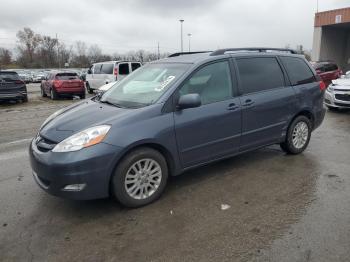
<point x="74" y="187"/>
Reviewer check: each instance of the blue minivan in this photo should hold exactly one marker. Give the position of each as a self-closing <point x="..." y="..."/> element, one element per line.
<point x="175" y="114"/>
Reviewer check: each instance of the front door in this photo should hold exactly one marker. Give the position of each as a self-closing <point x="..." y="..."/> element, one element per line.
<point x="213" y="129"/>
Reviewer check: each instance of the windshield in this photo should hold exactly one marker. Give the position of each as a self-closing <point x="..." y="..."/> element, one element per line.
<point x="144" y="86"/>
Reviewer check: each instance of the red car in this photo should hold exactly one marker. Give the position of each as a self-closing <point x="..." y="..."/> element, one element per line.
<point x="328" y="71"/>
<point x="59" y="84"/>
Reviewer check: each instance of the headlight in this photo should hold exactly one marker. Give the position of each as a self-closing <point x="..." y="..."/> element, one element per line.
<point x="85" y="138"/>
<point x="52" y="117"/>
<point x="330" y="88"/>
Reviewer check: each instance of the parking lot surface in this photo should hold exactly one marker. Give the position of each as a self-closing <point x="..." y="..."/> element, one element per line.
<point x="260" y="206"/>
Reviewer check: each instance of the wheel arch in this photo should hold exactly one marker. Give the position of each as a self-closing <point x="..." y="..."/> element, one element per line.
<point x="307" y="113"/>
<point x="169" y="158"/>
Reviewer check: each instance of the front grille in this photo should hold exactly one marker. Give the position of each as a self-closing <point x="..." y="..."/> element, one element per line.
<point x="43" y="144"/>
<point x="343" y="105"/>
<point x="343" y="97"/>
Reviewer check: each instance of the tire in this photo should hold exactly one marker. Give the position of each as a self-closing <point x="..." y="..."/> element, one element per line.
<point x="82" y="96"/>
<point x="298" y="136"/>
<point x="53" y="94"/>
<point x="90" y="91"/>
<point x="43" y="94"/>
<point x="138" y="159"/>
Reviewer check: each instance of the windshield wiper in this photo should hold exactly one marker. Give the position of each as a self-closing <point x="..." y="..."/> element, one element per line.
<point x="111" y="103"/>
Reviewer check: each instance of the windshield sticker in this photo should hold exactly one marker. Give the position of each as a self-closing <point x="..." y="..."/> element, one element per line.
<point x="165" y="83"/>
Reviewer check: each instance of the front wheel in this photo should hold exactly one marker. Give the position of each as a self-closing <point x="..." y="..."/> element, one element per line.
<point x="88" y="88"/>
<point x="298" y="136"/>
<point x="140" y="178"/>
<point x="53" y="94"/>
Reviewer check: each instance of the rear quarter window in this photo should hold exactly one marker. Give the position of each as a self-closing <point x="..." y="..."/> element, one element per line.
<point x="298" y="71"/>
<point x="134" y="66"/>
<point x="66" y="76"/>
<point x="259" y="74"/>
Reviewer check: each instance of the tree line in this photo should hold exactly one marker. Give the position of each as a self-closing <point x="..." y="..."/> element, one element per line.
<point x="34" y="50"/>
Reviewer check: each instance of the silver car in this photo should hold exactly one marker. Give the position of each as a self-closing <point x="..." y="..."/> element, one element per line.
<point x="338" y="93"/>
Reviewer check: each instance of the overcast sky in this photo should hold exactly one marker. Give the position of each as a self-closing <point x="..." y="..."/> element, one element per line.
<point x="120" y="26"/>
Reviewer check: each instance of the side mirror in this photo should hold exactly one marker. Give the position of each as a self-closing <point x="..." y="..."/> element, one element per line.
<point x="89" y="72"/>
<point x="189" y="101"/>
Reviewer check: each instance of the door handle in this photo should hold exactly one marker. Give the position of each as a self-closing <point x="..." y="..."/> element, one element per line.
<point x="232" y="107"/>
<point x="248" y="102"/>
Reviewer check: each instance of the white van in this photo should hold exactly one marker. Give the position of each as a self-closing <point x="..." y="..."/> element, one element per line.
<point x="103" y="73"/>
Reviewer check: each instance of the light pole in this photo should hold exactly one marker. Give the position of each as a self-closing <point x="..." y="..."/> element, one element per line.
<point x="189" y="42"/>
<point x="182" y="44"/>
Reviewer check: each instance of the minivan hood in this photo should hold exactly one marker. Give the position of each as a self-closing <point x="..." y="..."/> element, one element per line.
<point x="341" y="82"/>
<point x="80" y="116"/>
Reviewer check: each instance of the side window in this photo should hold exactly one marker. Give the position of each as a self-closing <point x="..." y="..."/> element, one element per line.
<point x="212" y="83"/>
<point x="134" y="66"/>
<point x="107" y="69"/>
<point x="123" y="69"/>
<point x="259" y="74"/>
<point x="97" y="68"/>
<point x="298" y="71"/>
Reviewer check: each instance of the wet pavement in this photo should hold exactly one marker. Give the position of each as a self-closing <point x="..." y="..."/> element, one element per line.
<point x="277" y="207"/>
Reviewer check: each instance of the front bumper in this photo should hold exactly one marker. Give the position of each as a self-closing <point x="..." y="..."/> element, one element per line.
<point x="91" y="167"/>
<point x="331" y="100"/>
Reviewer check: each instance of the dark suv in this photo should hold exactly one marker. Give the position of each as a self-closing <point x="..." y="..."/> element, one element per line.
<point x="12" y="87"/>
<point x="328" y="71"/>
<point x="175" y="114"/>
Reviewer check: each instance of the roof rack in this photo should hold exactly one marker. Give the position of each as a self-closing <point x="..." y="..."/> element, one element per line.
<point x="188" y="53"/>
<point x="252" y="49"/>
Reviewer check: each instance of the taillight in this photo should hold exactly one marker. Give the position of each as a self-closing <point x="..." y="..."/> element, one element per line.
<point x="116" y="71"/>
<point x="322" y="86"/>
<point x="56" y="83"/>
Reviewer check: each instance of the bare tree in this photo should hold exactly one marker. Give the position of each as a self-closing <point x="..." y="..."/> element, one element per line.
<point x="28" y="43"/>
<point x="94" y="53"/>
<point x="48" y="52"/>
<point x="5" y="57"/>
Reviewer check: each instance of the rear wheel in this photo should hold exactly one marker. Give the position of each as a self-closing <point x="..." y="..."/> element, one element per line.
<point x="53" y="94"/>
<point x="298" y="136"/>
<point x="82" y="96"/>
<point x="140" y="178"/>
<point x="42" y="92"/>
<point x="88" y="88"/>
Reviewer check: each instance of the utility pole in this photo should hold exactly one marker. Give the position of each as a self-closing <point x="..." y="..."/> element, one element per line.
<point x="58" y="53"/>
<point x="158" y="52"/>
<point x="316" y="6"/>
<point x="189" y="42"/>
<point x="182" y="44"/>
